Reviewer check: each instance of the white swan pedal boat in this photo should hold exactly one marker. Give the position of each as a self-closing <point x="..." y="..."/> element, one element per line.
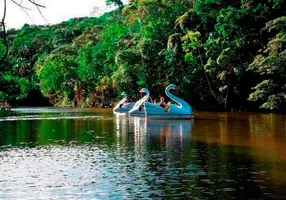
<point x="138" y="108"/>
<point x="123" y="107"/>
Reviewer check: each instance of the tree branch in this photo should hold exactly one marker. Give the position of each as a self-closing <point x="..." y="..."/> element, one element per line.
<point x="27" y="14"/>
<point x="20" y="5"/>
<point x="4" y="32"/>
<point x="36" y="4"/>
<point x="25" y="8"/>
<point x="207" y="78"/>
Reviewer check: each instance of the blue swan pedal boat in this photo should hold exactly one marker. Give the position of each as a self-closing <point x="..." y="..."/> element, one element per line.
<point x="181" y="110"/>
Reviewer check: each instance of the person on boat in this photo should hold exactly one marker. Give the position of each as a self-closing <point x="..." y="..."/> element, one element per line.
<point x="127" y="101"/>
<point x="163" y="104"/>
<point x="156" y="101"/>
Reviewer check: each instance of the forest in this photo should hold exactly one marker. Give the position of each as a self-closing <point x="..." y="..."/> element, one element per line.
<point x="224" y="55"/>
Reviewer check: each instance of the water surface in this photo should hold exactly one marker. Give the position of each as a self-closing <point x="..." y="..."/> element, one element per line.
<point x="48" y="153"/>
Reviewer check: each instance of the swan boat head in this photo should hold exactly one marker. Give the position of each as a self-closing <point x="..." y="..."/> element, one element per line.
<point x="137" y="109"/>
<point x="123" y="107"/>
<point x="179" y="110"/>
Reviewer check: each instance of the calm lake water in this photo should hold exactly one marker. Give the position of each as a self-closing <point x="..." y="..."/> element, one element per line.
<point x="92" y="154"/>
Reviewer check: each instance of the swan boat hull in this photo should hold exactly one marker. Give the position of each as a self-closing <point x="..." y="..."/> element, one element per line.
<point x="137" y="112"/>
<point x="123" y="108"/>
<point x="166" y="116"/>
<point x="172" y="112"/>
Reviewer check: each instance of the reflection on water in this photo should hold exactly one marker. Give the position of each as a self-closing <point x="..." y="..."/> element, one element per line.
<point x="90" y="153"/>
<point x="171" y="133"/>
<point x="263" y="132"/>
<point x="261" y="137"/>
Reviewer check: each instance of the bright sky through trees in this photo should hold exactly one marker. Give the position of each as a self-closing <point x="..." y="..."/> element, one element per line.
<point x="56" y="11"/>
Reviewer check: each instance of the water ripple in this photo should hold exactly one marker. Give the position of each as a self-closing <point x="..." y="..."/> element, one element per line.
<point x="36" y="117"/>
<point x="81" y="172"/>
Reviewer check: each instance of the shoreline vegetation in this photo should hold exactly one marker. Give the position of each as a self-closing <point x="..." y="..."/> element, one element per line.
<point x="224" y="56"/>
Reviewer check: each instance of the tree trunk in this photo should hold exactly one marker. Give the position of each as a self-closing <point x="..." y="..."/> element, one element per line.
<point x="78" y="93"/>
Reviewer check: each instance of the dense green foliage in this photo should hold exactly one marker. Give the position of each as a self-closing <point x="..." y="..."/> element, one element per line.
<point x="223" y="55"/>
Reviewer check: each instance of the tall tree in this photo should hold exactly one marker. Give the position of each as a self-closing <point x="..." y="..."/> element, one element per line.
<point x="270" y="64"/>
